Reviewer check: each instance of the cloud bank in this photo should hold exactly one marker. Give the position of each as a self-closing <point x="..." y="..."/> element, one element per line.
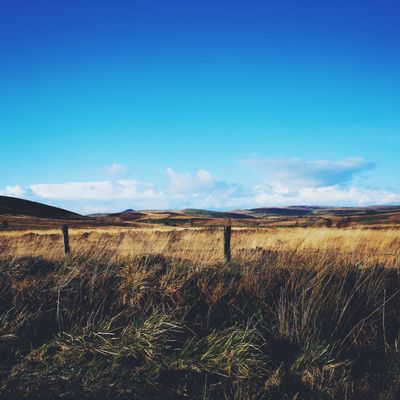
<point x="299" y="173"/>
<point x="101" y="190"/>
<point x="280" y="182"/>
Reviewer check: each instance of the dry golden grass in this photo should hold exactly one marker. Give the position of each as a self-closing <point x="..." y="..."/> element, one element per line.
<point x="311" y="247"/>
<point x="299" y="314"/>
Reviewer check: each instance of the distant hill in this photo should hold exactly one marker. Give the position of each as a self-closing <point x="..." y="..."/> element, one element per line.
<point x="303" y="211"/>
<point x="24" y="213"/>
<point x="354" y="211"/>
<point x="14" y="206"/>
<point x="214" y="214"/>
<point x="284" y="211"/>
<point x="127" y="215"/>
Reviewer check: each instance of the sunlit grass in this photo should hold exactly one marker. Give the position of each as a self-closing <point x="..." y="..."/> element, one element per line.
<point x="204" y="245"/>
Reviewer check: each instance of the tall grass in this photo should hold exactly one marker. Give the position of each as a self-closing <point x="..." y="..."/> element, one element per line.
<point x="299" y="314"/>
<point x="204" y="245"/>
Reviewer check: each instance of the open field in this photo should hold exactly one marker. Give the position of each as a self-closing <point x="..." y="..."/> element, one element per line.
<point x="154" y="313"/>
<point x="315" y="247"/>
<point x="385" y="220"/>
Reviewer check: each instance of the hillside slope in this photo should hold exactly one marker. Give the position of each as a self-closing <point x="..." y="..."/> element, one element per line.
<point x="14" y="206"/>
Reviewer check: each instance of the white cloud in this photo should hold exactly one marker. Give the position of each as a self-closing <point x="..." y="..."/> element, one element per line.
<point x="184" y="182"/>
<point x="99" y="190"/>
<point x="327" y="196"/>
<point x="115" y="196"/>
<point x="13" y="191"/>
<point x="283" y="182"/>
<point x="317" y="182"/>
<point x="294" y="172"/>
<point x="116" y="169"/>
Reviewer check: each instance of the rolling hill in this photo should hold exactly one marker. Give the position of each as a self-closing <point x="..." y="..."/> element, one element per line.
<point x="214" y="214"/>
<point x="14" y="206"/>
<point x="20" y="214"/>
<point x="285" y="211"/>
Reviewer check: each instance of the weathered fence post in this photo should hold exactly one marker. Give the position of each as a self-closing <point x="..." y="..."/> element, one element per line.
<point x="66" y="239"/>
<point x="227" y="243"/>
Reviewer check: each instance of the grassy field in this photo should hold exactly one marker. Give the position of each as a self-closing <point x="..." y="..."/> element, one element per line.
<point x="154" y="313"/>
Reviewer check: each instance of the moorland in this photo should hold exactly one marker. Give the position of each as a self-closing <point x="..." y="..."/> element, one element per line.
<point x="145" y="307"/>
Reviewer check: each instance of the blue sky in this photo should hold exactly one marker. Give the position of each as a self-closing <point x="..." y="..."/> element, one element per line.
<point x="107" y="105"/>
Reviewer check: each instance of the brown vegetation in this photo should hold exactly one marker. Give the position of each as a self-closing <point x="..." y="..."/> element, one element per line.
<point x="155" y="314"/>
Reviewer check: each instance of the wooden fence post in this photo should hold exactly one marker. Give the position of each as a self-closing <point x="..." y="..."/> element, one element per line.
<point x="66" y="239"/>
<point x="227" y="243"/>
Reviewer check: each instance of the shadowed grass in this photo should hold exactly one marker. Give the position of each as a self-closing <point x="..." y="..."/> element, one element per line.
<point x="151" y="326"/>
